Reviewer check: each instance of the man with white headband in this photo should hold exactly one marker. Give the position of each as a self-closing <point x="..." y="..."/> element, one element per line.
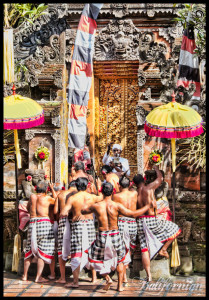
<point x="119" y="164"/>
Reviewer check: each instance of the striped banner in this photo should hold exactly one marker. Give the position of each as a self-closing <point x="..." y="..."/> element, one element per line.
<point x="81" y="75"/>
<point x="189" y="63"/>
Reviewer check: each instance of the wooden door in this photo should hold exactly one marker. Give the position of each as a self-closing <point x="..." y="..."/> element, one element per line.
<point x="116" y="119"/>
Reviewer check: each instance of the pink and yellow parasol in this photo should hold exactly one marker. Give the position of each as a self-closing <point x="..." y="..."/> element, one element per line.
<point x="173" y="120"/>
<point x="21" y="113"/>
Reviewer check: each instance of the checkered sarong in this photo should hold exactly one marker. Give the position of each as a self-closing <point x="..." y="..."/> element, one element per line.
<point x="132" y="229"/>
<point x="76" y="235"/>
<point x="40" y="233"/>
<point x="163" y="230"/>
<point x="97" y="250"/>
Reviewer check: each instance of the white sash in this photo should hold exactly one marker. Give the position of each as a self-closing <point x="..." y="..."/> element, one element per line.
<point x="55" y="229"/>
<point x="66" y="240"/>
<point x="153" y="244"/>
<point x="110" y="257"/>
<point x="126" y="238"/>
<point x="83" y="260"/>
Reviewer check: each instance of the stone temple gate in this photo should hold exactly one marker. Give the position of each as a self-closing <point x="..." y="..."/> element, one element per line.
<point x="135" y="69"/>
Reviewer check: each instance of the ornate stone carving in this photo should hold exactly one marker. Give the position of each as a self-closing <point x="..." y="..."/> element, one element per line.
<point x="55" y="134"/>
<point x="140" y="152"/>
<point x="186" y="230"/>
<point x="141" y="114"/>
<point x="70" y="36"/>
<point x="198" y="234"/>
<point x="58" y="78"/>
<point x="29" y="134"/>
<point x="191" y="196"/>
<point x="119" y="10"/>
<point x="141" y="78"/>
<point x="119" y="40"/>
<point x="151" y="51"/>
<point x="9" y="195"/>
<point x="26" y="40"/>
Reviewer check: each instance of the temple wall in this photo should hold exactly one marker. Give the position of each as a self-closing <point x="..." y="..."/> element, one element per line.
<point x="126" y="64"/>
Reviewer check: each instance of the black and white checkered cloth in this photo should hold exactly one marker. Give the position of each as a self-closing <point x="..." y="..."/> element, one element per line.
<point x="164" y="230"/>
<point x="44" y="236"/>
<point x="97" y="250"/>
<point x="132" y="228"/>
<point x="76" y="235"/>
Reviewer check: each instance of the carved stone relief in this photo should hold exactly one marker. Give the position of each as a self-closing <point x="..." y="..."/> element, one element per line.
<point x="140" y="152"/>
<point x="119" y="40"/>
<point x="55" y="134"/>
<point x="119" y="10"/>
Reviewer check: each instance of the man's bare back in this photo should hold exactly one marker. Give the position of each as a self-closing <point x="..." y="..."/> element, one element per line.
<point x="75" y="204"/>
<point x="39" y="205"/>
<point x="146" y="193"/>
<point x="127" y="198"/>
<point x="62" y="198"/>
<point x="114" y="179"/>
<point x="107" y="211"/>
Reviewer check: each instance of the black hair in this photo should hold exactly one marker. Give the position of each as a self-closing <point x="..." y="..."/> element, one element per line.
<point x="81" y="183"/>
<point x="106" y="168"/>
<point x="107" y="189"/>
<point x="163" y="173"/>
<point x="138" y="179"/>
<point x="124" y="182"/>
<point x="42" y="187"/>
<point x="79" y="165"/>
<point x="72" y="183"/>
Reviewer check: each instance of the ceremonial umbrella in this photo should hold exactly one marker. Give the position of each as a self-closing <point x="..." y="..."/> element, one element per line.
<point x="173" y="120"/>
<point x="20" y="113"/>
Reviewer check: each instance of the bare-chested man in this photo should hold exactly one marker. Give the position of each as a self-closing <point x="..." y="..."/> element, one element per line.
<point x="126" y="225"/>
<point x="40" y="237"/>
<point x="74" y="204"/>
<point x="78" y="170"/>
<point x="109" y="240"/>
<point x="63" y="226"/>
<point x="111" y="177"/>
<point x="55" y="189"/>
<point x="165" y="231"/>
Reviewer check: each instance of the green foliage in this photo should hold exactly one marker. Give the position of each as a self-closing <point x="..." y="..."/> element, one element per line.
<point x="198" y="20"/>
<point x="18" y="13"/>
<point x="194" y="152"/>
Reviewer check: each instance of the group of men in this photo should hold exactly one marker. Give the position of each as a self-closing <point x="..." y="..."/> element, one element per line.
<point x="65" y="223"/>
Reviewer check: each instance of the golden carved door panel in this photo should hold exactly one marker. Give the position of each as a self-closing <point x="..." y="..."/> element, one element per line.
<point x="117" y="119"/>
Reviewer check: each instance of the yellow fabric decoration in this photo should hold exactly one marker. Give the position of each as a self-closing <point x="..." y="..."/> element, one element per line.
<point x="175" y="258"/>
<point x="16" y="253"/>
<point x="8" y="61"/>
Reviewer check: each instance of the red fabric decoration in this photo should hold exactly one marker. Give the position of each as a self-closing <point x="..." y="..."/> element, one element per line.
<point x="63" y="188"/>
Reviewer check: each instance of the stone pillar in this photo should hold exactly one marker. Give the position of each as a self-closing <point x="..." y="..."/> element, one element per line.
<point x="140" y="150"/>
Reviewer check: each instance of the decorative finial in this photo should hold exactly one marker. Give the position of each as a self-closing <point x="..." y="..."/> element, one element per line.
<point x="14" y="89"/>
<point x="173" y="97"/>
